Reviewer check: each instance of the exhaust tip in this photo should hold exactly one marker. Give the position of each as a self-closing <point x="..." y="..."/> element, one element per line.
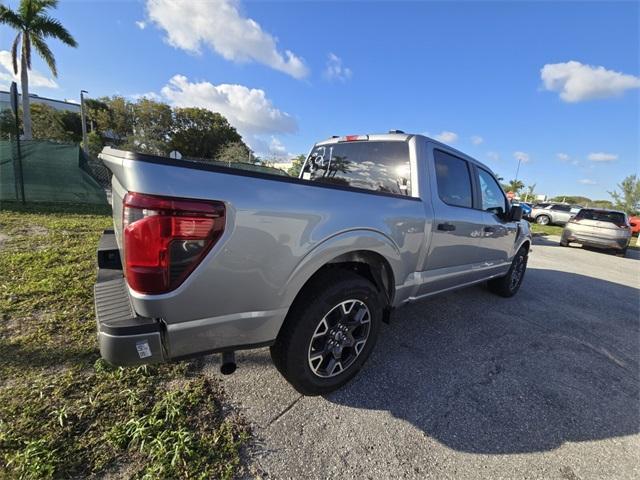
<point x="228" y="363"/>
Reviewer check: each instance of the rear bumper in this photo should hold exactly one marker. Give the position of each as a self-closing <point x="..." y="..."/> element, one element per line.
<point x="124" y="338"/>
<point x="127" y="338"/>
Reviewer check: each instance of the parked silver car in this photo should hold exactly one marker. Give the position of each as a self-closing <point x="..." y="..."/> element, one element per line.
<point x="212" y="259"/>
<point x="599" y="228"/>
<point x="553" y="213"/>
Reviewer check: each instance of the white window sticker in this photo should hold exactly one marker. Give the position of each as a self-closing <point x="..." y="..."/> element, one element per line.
<point x="143" y="348"/>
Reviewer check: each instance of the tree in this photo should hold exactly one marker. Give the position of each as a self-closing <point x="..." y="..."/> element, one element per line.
<point x="200" y="133"/>
<point x="235" y="152"/>
<point x="57" y="125"/>
<point x="95" y="143"/>
<point x="34" y="25"/>
<point x="153" y="124"/>
<point x="296" y="165"/>
<point x="116" y="121"/>
<point x="530" y="192"/>
<point x="628" y="200"/>
<point x="7" y="124"/>
<point x="515" y="186"/>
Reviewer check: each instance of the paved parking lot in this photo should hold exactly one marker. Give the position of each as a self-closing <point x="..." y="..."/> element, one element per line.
<point x="470" y="385"/>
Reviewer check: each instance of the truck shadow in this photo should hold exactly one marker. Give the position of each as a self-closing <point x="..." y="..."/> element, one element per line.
<point x="517" y="375"/>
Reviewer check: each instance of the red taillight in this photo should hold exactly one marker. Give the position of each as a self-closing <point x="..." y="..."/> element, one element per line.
<point x="166" y="238"/>
<point x="353" y="138"/>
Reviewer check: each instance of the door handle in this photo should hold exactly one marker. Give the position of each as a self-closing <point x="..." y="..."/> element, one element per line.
<point x="489" y="229"/>
<point x="446" y="227"/>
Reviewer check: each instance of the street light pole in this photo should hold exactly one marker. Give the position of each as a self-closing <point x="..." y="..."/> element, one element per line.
<point x="83" y="114"/>
<point x="518" y="169"/>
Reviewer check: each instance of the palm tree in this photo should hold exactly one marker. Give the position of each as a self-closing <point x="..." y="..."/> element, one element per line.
<point x="33" y="26"/>
<point x="515" y="186"/>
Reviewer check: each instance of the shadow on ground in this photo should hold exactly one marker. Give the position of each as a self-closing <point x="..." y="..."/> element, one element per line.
<point x="526" y="374"/>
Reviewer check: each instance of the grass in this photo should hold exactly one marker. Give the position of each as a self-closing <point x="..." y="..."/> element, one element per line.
<point x="66" y="413"/>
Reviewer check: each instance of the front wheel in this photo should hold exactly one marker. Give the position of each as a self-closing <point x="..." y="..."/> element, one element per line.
<point x="329" y="332"/>
<point x="543" y="220"/>
<point x="509" y="285"/>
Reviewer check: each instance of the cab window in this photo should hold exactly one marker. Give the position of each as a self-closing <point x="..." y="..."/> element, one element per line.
<point x="453" y="179"/>
<point x="493" y="199"/>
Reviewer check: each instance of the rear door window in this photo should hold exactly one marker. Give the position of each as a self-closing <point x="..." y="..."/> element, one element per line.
<point x="372" y="165"/>
<point x="454" y="180"/>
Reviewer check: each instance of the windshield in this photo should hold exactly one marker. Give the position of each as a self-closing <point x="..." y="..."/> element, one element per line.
<point x="616" y="218"/>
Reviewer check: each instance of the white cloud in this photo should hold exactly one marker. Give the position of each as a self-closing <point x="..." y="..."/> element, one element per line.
<point x="247" y="109"/>
<point x="36" y="79"/>
<point x="277" y="148"/>
<point x="219" y="25"/>
<point x="141" y="24"/>
<point x="602" y="157"/>
<point x="493" y="156"/>
<point x="447" y="137"/>
<point x="577" y="82"/>
<point x="522" y="157"/>
<point x="147" y="95"/>
<point x="563" y="157"/>
<point x="587" y="181"/>
<point x="476" y="139"/>
<point x="334" y="69"/>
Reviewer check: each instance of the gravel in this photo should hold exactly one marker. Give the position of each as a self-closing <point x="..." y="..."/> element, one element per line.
<point x="471" y="385"/>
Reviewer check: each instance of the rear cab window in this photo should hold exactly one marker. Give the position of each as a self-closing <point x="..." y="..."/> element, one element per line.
<point x="379" y="166"/>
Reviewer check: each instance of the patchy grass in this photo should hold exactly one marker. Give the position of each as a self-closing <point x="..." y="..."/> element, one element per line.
<point x="63" y="411"/>
<point x="546" y="229"/>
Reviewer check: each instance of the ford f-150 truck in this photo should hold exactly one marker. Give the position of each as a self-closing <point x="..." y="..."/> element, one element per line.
<point x="206" y="259"/>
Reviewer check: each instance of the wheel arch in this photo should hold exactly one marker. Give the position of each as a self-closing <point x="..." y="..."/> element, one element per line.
<point x="370" y="254"/>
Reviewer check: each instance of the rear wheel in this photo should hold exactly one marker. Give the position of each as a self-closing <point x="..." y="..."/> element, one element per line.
<point x="329" y="332"/>
<point x="563" y="241"/>
<point x="543" y="220"/>
<point x="509" y="285"/>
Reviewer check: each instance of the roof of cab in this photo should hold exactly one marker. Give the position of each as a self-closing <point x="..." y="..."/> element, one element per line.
<point x="403" y="137"/>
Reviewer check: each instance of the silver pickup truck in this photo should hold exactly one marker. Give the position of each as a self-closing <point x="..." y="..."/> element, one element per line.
<point x="206" y="259"/>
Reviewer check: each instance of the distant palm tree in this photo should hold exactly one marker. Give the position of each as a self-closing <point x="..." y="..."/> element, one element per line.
<point x="33" y="26"/>
<point x="515" y="186"/>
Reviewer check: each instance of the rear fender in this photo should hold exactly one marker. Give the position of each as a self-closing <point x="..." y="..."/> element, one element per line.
<point x="341" y="244"/>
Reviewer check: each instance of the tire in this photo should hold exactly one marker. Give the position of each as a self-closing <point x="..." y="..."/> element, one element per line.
<point x="621" y="253"/>
<point x="563" y="242"/>
<point x="543" y="220"/>
<point x="509" y="285"/>
<point x="320" y="311"/>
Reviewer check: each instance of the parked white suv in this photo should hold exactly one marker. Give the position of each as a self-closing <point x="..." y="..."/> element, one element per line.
<point x="553" y="213"/>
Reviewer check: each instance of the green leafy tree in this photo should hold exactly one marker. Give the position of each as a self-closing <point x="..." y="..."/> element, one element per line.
<point x="628" y="199"/>
<point x="608" y="204"/>
<point x="153" y="124"/>
<point x="235" y="152"/>
<point x="34" y="25"/>
<point x="296" y="165"/>
<point x="7" y="124"/>
<point x="200" y="133"/>
<point x="94" y="109"/>
<point x="56" y="125"/>
<point x="573" y="199"/>
<point x="95" y="143"/>
<point x="115" y="123"/>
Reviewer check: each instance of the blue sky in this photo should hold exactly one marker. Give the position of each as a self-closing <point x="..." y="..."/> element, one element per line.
<point x="290" y="73"/>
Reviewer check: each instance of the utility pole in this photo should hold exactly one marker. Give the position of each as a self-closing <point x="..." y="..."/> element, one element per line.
<point x="518" y="169"/>
<point x="83" y="118"/>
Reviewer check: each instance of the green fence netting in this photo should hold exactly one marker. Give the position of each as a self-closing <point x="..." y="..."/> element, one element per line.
<point x="52" y="172"/>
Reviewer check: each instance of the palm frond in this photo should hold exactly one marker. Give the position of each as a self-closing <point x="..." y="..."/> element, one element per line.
<point x="46" y="26"/>
<point x="10" y="18"/>
<point x="43" y="50"/>
<point x="14" y="52"/>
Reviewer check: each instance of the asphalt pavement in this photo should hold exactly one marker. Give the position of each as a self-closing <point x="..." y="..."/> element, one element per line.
<point x="471" y="385"/>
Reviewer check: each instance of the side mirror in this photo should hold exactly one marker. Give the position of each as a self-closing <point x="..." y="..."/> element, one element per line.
<point x="515" y="215"/>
